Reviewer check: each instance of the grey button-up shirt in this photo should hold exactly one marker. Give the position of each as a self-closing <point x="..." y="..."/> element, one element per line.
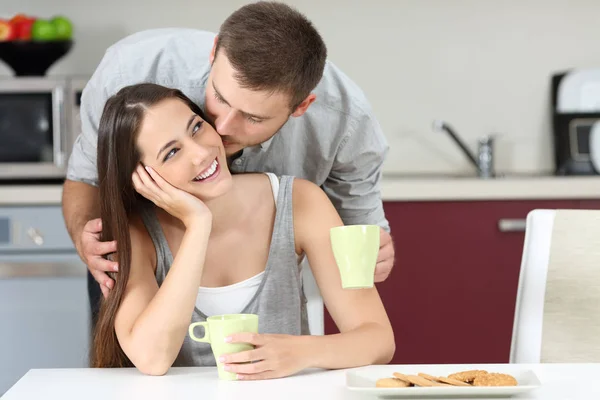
<point x="337" y="144"/>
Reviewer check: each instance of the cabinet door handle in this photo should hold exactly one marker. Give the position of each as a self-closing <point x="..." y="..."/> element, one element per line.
<point x="36" y="236"/>
<point x="38" y="269"/>
<point x="511" y="225"/>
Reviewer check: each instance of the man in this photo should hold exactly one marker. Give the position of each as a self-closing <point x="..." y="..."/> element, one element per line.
<point x="275" y="100"/>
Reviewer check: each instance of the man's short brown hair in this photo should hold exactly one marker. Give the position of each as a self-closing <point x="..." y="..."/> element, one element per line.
<point x="273" y="47"/>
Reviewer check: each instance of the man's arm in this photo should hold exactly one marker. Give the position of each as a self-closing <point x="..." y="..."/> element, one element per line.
<point x="79" y="205"/>
<point x="80" y="194"/>
<point x="81" y="212"/>
<point x="353" y="185"/>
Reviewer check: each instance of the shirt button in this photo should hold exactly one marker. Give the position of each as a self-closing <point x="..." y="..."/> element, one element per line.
<point x="238" y="161"/>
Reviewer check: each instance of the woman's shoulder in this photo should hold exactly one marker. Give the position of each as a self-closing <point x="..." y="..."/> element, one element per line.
<point x="309" y="200"/>
<point x="307" y="191"/>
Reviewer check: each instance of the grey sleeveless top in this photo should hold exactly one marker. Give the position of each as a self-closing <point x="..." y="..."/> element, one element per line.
<point x="279" y="301"/>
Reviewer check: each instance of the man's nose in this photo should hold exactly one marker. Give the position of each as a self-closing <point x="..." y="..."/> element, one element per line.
<point x="225" y="124"/>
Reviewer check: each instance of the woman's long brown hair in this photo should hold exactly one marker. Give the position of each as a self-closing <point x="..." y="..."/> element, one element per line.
<point x="118" y="157"/>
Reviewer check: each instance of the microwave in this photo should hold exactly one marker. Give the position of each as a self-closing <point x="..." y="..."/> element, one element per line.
<point x="39" y="121"/>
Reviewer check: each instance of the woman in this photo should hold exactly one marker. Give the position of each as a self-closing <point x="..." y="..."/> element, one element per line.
<point x="213" y="243"/>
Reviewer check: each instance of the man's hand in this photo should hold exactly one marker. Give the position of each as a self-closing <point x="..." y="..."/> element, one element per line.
<point x="385" y="259"/>
<point x="92" y="250"/>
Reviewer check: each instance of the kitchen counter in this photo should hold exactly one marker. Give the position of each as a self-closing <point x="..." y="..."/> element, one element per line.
<point x="403" y="188"/>
<point x="458" y="188"/>
<point x="30" y="195"/>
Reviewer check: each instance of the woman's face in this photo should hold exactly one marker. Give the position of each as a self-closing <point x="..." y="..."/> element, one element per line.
<point x="184" y="149"/>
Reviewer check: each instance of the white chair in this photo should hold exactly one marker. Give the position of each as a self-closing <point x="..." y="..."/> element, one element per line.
<point x="314" y="301"/>
<point x="529" y="311"/>
<point x="557" y="315"/>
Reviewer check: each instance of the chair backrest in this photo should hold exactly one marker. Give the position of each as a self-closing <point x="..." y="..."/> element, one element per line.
<point x="314" y="301"/>
<point x="529" y="311"/>
<point x="571" y="331"/>
<point x="557" y="318"/>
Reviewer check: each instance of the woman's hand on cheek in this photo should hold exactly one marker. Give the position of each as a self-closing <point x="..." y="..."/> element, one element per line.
<point x="180" y="204"/>
<point x="274" y="356"/>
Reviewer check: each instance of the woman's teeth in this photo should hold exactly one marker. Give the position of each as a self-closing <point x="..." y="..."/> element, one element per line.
<point x="209" y="172"/>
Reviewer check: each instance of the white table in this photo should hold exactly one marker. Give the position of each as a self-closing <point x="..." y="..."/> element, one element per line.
<point x="559" y="382"/>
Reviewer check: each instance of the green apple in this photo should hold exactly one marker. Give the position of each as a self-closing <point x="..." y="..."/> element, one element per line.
<point x="43" y="30"/>
<point x="64" y="27"/>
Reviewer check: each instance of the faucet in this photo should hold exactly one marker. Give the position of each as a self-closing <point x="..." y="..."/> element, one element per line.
<point x="484" y="161"/>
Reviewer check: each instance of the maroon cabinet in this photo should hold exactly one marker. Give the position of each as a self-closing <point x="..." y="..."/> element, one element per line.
<point x="589" y="204"/>
<point x="451" y="296"/>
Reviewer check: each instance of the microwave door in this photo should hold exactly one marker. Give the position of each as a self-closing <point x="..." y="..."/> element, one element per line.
<point x="32" y="133"/>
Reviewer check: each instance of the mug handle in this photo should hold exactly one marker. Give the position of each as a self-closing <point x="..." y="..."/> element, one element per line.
<point x="205" y="338"/>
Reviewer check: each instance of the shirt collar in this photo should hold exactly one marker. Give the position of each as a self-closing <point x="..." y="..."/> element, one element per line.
<point x="265" y="145"/>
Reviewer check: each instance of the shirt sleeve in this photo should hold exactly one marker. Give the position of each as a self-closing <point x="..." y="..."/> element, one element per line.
<point x="82" y="162"/>
<point x="354" y="182"/>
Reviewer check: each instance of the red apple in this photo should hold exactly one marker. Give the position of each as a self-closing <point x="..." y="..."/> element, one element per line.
<point x="18" y="18"/>
<point x="7" y="31"/>
<point x="24" y="29"/>
<point x="22" y="26"/>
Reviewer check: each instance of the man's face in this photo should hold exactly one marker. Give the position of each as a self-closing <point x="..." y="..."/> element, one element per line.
<point x="243" y="117"/>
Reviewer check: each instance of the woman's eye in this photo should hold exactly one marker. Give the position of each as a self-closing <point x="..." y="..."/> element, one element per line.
<point x="170" y="154"/>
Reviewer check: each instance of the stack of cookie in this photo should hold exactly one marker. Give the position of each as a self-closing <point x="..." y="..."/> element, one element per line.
<point x="464" y="378"/>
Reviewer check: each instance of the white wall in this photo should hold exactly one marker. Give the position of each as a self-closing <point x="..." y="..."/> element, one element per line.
<point x="482" y="65"/>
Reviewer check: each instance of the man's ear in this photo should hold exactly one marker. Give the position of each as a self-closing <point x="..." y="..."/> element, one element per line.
<point x="214" y="48"/>
<point x="301" y="109"/>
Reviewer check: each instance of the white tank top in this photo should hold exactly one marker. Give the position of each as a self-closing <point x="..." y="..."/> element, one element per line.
<point x="232" y="299"/>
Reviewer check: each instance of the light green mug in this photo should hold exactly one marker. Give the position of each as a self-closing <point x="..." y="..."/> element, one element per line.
<point x="217" y="328"/>
<point x="355" y="248"/>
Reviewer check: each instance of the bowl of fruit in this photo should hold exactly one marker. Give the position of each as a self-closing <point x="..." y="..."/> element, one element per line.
<point x="30" y="45"/>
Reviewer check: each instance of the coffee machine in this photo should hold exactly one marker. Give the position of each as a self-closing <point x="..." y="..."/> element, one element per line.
<point x="575" y="111"/>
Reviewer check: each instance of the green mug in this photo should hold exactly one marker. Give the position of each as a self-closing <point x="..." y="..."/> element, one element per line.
<point x="355" y="248"/>
<point x="217" y="328"/>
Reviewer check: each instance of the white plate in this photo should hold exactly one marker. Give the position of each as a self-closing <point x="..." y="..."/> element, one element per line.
<point x="363" y="380"/>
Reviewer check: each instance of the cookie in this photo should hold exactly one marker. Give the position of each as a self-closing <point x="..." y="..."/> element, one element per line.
<point x="453" y="382"/>
<point x="391" y="383"/>
<point x="417" y="380"/>
<point x="494" y="379"/>
<point x="427" y="376"/>
<point x="402" y="377"/>
<point x="467" y="376"/>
